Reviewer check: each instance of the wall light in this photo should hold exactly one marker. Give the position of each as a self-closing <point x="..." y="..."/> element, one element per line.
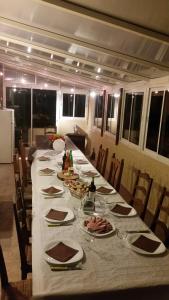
<point x="116" y="95"/>
<point x="78" y="63"/>
<point x="1" y="73"/>
<point x="22" y="80"/>
<point x="93" y="94"/>
<point x="51" y="56"/>
<point x="72" y="90"/>
<point x="29" y="49"/>
<point x="45" y="85"/>
<point x="7" y="43"/>
<point x="99" y="70"/>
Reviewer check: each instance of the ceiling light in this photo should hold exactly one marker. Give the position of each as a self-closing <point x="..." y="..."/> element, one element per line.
<point x="156" y="92"/>
<point x="97" y="76"/>
<point x="27" y="56"/>
<point x="1" y="73"/>
<point x="72" y="90"/>
<point x="99" y="70"/>
<point x="29" y="49"/>
<point x="51" y="56"/>
<point x="78" y="63"/>
<point x="31" y="38"/>
<point x="14" y="90"/>
<point x="7" y="43"/>
<point x="76" y="71"/>
<point x="45" y="85"/>
<point x="93" y="94"/>
<point x="22" y="80"/>
<point x="116" y="95"/>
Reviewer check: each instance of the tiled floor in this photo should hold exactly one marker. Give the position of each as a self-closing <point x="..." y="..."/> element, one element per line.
<point x="8" y="237"/>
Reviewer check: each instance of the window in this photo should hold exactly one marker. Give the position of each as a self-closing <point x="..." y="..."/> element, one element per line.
<point x="111" y="120"/>
<point x="158" y="123"/>
<point x="44" y="108"/>
<point x="74" y="105"/>
<point x="132" y="117"/>
<point x="98" y="111"/>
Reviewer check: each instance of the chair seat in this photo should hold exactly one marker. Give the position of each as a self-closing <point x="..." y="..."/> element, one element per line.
<point x="21" y="290"/>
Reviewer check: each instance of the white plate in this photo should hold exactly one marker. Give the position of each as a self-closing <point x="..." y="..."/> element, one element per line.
<point x="96" y="175"/>
<point x="98" y="234"/>
<point x="69" y="216"/>
<point x="52" y="194"/>
<point x="111" y="193"/>
<point x="131" y="214"/>
<point x="131" y="238"/>
<point x="77" y="257"/>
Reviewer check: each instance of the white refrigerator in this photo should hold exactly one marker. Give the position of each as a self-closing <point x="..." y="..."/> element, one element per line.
<point x="6" y="135"/>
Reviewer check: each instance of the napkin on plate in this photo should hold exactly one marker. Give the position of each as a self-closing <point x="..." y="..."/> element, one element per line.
<point x="47" y="171"/>
<point x="51" y="190"/>
<point x="43" y="158"/>
<point x="146" y="244"/>
<point x="90" y="173"/>
<point x="121" y="209"/>
<point x="62" y="252"/>
<point x="56" y="214"/>
<point x="104" y="190"/>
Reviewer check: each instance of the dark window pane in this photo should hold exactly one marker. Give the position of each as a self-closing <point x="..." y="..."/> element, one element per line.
<point x="110" y="113"/>
<point x="19" y="99"/>
<point x="136" y="118"/>
<point x="164" y="136"/>
<point x="154" y="120"/>
<point x="98" y="111"/>
<point x="68" y="100"/>
<point x="44" y="108"/>
<point x="127" y="114"/>
<point x="80" y="105"/>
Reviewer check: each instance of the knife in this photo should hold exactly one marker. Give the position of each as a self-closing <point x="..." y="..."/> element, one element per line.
<point x="59" y="224"/>
<point x="138" y="231"/>
<point x="65" y="268"/>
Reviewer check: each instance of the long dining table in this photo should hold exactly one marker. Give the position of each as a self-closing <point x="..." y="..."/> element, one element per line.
<point x="110" y="269"/>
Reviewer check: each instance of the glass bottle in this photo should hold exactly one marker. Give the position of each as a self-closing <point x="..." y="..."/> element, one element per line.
<point x="71" y="159"/>
<point x="92" y="190"/>
<point x="64" y="158"/>
<point x="67" y="162"/>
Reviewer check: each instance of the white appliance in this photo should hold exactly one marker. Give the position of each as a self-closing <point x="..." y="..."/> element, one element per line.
<point x="6" y="135"/>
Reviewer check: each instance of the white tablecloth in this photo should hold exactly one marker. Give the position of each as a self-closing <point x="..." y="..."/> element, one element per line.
<point x="110" y="265"/>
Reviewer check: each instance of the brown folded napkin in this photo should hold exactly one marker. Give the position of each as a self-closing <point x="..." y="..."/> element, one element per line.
<point x="61" y="252"/>
<point x="43" y="158"/>
<point x="90" y="173"/>
<point x="51" y="190"/>
<point x="146" y="244"/>
<point x="81" y="162"/>
<point x="56" y="214"/>
<point x="47" y="171"/>
<point x="104" y="190"/>
<point x="121" y="209"/>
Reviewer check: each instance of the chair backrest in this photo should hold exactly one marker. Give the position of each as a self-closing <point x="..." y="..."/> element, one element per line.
<point x="160" y="227"/>
<point x="141" y="192"/>
<point x="3" y="271"/>
<point x="115" y="173"/>
<point x="102" y="160"/>
<point x="151" y="216"/>
<point x="23" y="162"/>
<point x="22" y="240"/>
<point x="50" y="130"/>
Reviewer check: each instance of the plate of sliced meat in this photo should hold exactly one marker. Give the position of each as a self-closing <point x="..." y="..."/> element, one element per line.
<point x="97" y="226"/>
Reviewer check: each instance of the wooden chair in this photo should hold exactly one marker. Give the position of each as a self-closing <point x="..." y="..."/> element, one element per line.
<point x="26" y="192"/>
<point x="26" y="178"/>
<point x="24" y="247"/>
<point x="141" y="192"/>
<point x="151" y="217"/>
<point x="21" y="290"/>
<point x="102" y="160"/>
<point x="115" y="173"/>
<point x="160" y="226"/>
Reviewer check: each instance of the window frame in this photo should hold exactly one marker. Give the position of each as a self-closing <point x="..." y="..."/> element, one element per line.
<point x="77" y="92"/>
<point x="142" y="119"/>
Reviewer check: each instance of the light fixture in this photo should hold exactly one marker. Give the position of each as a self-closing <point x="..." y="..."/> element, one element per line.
<point x="51" y="56"/>
<point x="156" y="92"/>
<point x="76" y="71"/>
<point x="72" y="90"/>
<point x="29" y="49"/>
<point x="1" y="73"/>
<point x="99" y="70"/>
<point x="97" y="76"/>
<point x="78" y="63"/>
<point x="14" y="90"/>
<point x="7" y="43"/>
<point x="22" y="80"/>
<point x="116" y="95"/>
<point x="45" y="85"/>
<point x="93" y="94"/>
<point x="27" y="56"/>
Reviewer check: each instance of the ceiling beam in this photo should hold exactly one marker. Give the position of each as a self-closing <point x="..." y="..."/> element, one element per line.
<point x="55" y="51"/>
<point x="82" y="43"/>
<point x="111" y="21"/>
<point x="63" y="72"/>
<point x="58" y="63"/>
